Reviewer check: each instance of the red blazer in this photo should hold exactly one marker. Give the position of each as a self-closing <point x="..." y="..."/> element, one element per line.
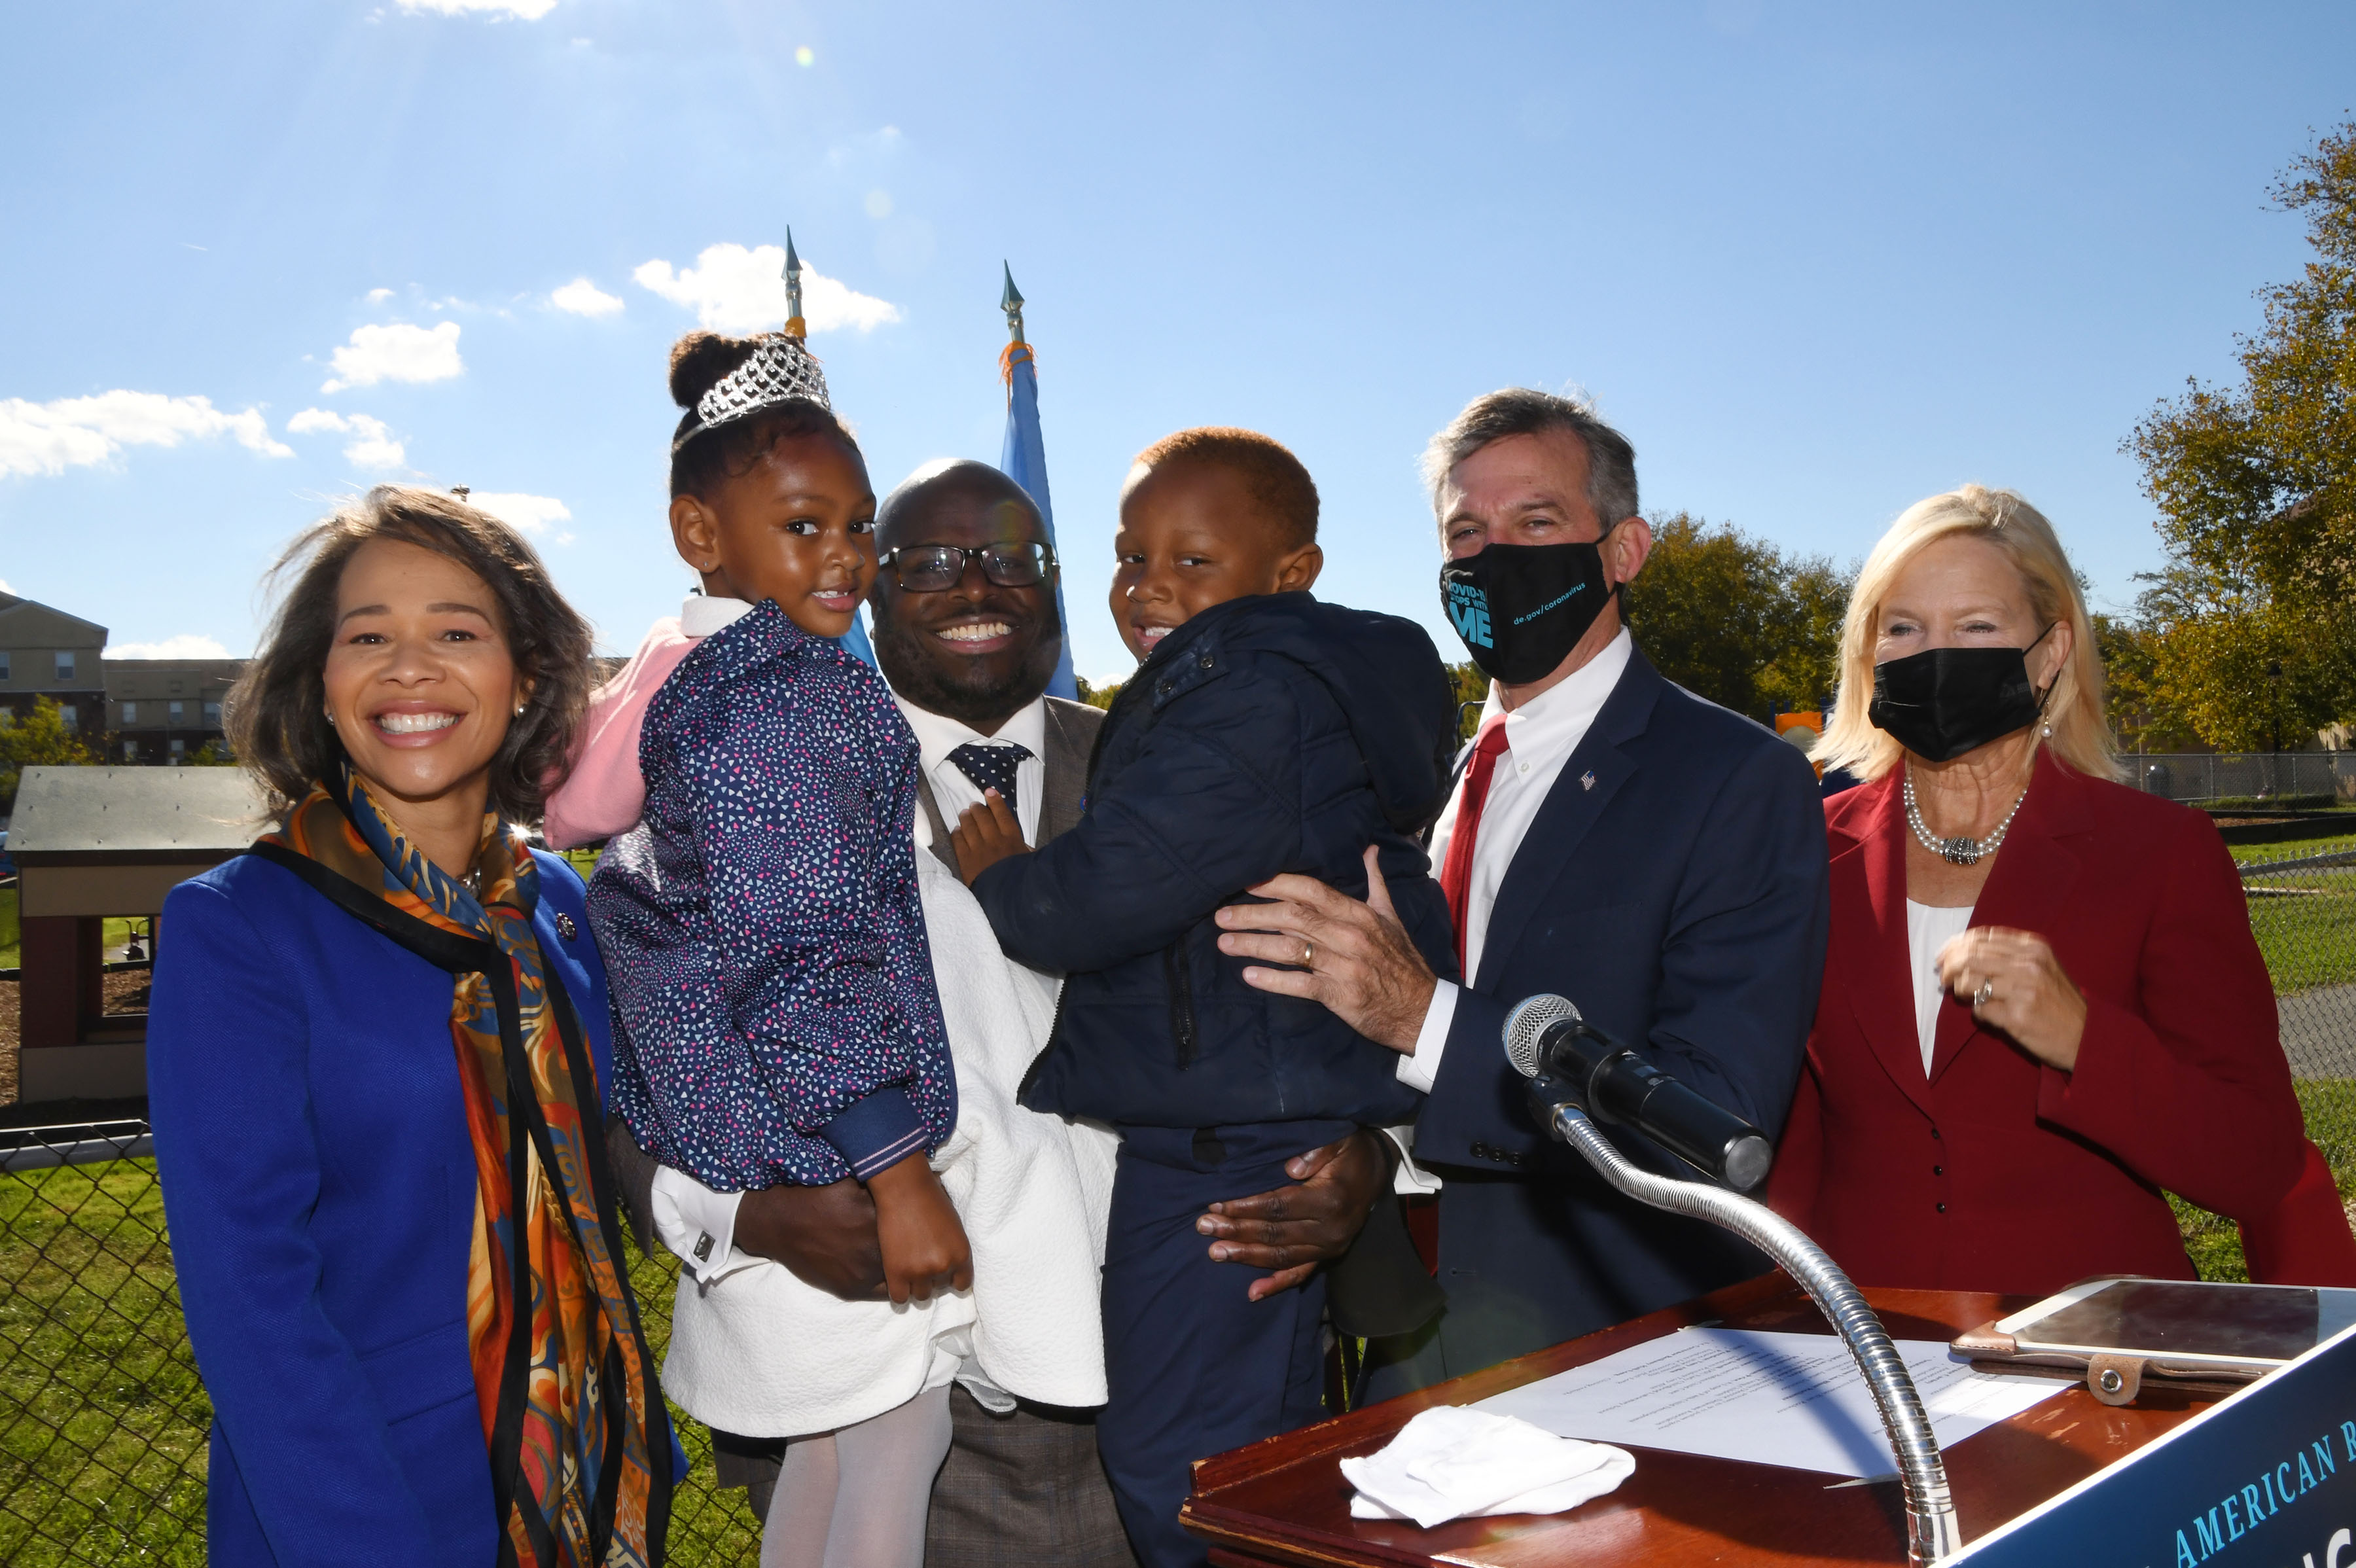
<point x="1997" y="1173"/>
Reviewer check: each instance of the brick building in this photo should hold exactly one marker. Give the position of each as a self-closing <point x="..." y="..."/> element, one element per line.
<point x="165" y="710"/>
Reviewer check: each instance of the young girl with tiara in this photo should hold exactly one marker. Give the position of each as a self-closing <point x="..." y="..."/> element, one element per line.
<point x="766" y="927"/>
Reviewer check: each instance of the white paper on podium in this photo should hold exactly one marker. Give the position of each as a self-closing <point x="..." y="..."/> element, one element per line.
<point x="1794" y="1399"/>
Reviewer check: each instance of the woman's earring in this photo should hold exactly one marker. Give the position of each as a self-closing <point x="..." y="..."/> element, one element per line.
<point x="331" y="716"/>
<point x="2048" y="728"/>
<point x="520" y="707"/>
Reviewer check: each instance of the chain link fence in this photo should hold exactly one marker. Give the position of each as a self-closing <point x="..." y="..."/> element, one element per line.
<point x="2256" y="778"/>
<point x="104" y="1418"/>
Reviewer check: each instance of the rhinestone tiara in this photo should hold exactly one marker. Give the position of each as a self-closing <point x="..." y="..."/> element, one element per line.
<point x="776" y="371"/>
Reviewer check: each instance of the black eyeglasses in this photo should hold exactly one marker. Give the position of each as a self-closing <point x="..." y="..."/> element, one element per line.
<point x="930" y="568"/>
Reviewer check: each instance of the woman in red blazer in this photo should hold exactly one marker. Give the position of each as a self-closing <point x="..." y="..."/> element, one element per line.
<point x="2042" y="1004"/>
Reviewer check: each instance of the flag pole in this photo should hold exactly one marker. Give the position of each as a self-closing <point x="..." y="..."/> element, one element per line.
<point x="1025" y="460"/>
<point x="854" y="641"/>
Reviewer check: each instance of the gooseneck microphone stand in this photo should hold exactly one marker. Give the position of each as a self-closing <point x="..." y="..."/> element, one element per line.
<point x="1559" y="1105"/>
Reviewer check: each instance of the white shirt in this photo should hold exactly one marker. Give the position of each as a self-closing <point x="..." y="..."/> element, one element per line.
<point x="937" y="736"/>
<point x="692" y="1220"/>
<point x="1540" y="735"/>
<point x="704" y="614"/>
<point x="1928" y="929"/>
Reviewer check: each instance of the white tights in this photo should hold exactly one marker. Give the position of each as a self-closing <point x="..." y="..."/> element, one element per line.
<point x="856" y="1498"/>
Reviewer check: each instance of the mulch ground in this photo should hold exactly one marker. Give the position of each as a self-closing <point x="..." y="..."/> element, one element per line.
<point x="125" y="992"/>
<point x="7" y="1042"/>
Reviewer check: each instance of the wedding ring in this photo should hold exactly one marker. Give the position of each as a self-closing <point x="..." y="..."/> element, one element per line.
<point x="1980" y="998"/>
<point x="1308" y="954"/>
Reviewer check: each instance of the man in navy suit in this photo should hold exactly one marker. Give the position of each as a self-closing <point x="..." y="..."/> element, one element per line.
<point x="1614" y="839"/>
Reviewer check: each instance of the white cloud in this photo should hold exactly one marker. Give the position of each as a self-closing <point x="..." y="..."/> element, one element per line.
<point x="374" y="446"/>
<point x="75" y="432"/>
<point x="397" y="352"/>
<point x="522" y="10"/>
<point x="732" y="289"/>
<point x="583" y="297"/>
<point x="4" y="589"/>
<point x="527" y="514"/>
<point x="379" y="295"/>
<point x="187" y="645"/>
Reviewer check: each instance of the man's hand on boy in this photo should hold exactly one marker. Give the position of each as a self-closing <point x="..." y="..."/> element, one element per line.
<point x="824" y="1235"/>
<point x="925" y="1252"/>
<point x="1295" y="1229"/>
<point x="987" y="833"/>
<point x="1352" y="955"/>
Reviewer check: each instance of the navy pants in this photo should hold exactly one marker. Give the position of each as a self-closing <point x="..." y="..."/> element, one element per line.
<point x="1193" y="1367"/>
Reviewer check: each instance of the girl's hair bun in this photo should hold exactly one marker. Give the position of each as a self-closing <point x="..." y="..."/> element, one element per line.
<point x="698" y="361"/>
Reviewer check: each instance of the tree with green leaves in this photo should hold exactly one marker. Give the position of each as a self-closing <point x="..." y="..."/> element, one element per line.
<point x="1732" y="618"/>
<point x="2256" y="489"/>
<point x="37" y="739"/>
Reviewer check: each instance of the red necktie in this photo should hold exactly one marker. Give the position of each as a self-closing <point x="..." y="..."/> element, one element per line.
<point x="1456" y="871"/>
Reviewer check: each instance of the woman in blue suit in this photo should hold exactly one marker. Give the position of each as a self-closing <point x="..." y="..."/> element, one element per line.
<point x="377" y="1055"/>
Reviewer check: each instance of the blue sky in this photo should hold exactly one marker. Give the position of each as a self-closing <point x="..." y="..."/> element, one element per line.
<point x="1817" y="263"/>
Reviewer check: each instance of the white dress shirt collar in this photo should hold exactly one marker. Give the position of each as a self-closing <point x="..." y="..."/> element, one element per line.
<point x="937" y="734"/>
<point x="1551" y="725"/>
<point x="704" y="614"/>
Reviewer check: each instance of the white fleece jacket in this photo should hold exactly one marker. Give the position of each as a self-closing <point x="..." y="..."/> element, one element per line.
<point x="757" y="1351"/>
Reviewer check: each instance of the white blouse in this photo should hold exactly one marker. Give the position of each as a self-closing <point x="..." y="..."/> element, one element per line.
<point x="1929" y="929"/>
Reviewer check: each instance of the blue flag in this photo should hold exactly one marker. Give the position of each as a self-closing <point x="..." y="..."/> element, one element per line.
<point x="1024" y="461"/>
<point x="854" y="641"/>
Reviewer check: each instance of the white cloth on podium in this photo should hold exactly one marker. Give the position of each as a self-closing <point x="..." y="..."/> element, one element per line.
<point x="1454" y="1462"/>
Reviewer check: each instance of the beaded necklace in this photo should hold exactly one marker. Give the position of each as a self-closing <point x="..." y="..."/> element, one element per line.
<point x="1959" y="850"/>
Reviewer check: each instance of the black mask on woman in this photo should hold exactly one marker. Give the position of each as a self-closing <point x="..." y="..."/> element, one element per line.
<point x="1944" y="702"/>
<point x="1521" y="608"/>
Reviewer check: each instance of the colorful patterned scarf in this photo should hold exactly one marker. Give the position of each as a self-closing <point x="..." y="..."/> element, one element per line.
<point x="580" y="1442"/>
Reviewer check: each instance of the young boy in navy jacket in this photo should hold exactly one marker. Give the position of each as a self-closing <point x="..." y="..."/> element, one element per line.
<point x="1263" y="733"/>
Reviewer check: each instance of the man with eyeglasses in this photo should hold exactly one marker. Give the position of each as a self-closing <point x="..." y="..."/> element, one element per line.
<point x="966" y="632"/>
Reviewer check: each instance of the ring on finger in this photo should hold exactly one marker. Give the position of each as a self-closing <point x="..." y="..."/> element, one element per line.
<point x="1986" y="994"/>
<point x="1308" y="953"/>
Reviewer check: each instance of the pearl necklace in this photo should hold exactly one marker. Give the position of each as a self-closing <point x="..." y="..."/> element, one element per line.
<point x="1959" y="850"/>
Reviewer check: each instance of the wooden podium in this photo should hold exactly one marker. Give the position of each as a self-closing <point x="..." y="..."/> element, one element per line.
<point x="1284" y="1501"/>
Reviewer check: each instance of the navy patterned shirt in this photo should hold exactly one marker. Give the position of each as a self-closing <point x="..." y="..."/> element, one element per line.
<point x="761" y="926"/>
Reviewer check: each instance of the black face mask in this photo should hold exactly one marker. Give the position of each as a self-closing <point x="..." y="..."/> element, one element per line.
<point x="1521" y="608"/>
<point x="1944" y="702"/>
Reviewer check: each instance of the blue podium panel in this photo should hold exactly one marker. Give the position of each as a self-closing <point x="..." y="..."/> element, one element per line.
<point x="2265" y="1477"/>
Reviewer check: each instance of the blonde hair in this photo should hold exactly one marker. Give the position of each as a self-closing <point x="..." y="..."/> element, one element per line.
<point x="2081" y="738"/>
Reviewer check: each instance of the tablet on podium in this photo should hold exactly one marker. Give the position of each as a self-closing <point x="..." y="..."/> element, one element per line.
<point x="2057" y="1481"/>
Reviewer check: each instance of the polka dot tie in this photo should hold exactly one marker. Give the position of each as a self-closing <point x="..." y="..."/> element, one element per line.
<point x="991" y="767"/>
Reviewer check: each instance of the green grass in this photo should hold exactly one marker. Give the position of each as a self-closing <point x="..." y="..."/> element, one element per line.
<point x="104" y="1418"/>
<point x="2305" y="926"/>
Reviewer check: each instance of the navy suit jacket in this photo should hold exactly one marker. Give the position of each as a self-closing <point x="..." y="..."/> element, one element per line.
<point x="319" y="1186"/>
<point x="1679" y="900"/>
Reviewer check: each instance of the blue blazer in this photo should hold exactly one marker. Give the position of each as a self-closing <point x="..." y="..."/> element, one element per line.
<point x="319" y="1187"/>
<point x="1680" y="901"/>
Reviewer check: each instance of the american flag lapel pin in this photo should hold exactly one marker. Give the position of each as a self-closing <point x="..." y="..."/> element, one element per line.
<point x="1586" y="779"/>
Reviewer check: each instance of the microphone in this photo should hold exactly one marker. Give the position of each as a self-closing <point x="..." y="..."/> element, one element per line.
<point x="1546" y="1039"/>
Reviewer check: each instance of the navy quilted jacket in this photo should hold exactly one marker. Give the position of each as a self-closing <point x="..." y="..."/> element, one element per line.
<point x="1267" y="735"/>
